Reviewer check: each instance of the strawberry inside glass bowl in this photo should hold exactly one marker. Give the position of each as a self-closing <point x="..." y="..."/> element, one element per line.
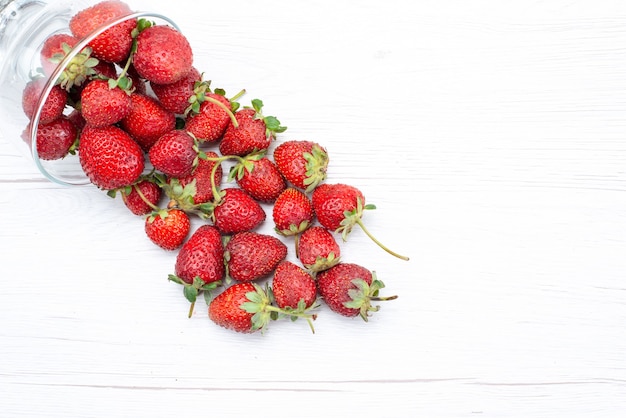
<point x="31" y="77"/>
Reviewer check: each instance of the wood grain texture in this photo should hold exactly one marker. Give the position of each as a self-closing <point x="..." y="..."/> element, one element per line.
<point x="492" y="139"/>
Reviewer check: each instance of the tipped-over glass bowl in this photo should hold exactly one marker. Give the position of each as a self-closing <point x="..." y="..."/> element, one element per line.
<point x="24" y="26"/>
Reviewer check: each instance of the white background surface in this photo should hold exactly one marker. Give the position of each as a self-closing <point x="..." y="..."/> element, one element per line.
<point x="491" y="137"/>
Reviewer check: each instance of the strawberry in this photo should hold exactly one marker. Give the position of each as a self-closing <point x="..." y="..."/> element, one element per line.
<point x="259" y="176"/>
<point x="175" y="96"/>
<point x="54" y="49"/>
<point x="202" y="192"/>
<point x="247" y="308"/>
<point x="147" y="120"/>
<point x="168" y="228"/>
<point x="142" y="197"/>
<point x="53" y="106"/>
<point x="302" y="163"/>
<point x="251" y="256"/>
<point x="237" y="211"/>
<point x="317" y="249"/>
<point x="200" y="263"/>
<point x="163" y="55"/>
<point x="102" y="105"/>
<point x="292" y="212"/>
<point x="114" y="44"/>
<point x="253" y="131"/>
<point x="349" y="289"/>
<point x="339" y="207"/>
<point x="110" y="157"/>
<point x="175" y="154"/>
<point x="56" y="139"/>
<point x="211" y="120"/>
<point x="293" y="287"/>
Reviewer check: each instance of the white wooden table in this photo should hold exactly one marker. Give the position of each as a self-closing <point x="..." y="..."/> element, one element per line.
<point x="491" y="137"/>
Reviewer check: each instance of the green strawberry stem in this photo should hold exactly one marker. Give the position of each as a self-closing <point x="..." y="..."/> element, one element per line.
<point x="294" y="314"/>
<point x="191" y="306"/>
<point x="237" y="96"/>
<point x="360" y="223"/>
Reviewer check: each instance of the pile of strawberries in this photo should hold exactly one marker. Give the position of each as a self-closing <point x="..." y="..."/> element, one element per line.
<point x="148" y="127"/>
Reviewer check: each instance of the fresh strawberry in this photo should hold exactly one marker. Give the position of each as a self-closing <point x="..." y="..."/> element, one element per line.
<point x="53" y="106"/>
<point x="302" y="163"/>
<point x="292" y="212"/>
<point x="102" y="105"/>
<point x="253" y="131"/>
<point x="54" y="49"/>
<point x="259" y="176"/>
<point x="206" y="169"/>
<point x="339" y="207"/>
<point x="114" y="44"/>
<point x="293" y="287"/>
<point x="56" y="139"/>
<point x="142" y="197"/>
<point x="349" y="290"/>
<point x="168" y="228"/>
<point x="175" y="154"/>
<point x="211" y="120"/>
<point x="163" y="55"/>
<point x="247" y="308"/>
<point x="147" y="120"/>
<point x="175" y="96"/>
<point x="251" y="256"/>
<point x="200" y="264"/>
<point x="317" y="249"/>
<point x="110" y="157"/>
<point x="237" y="211"/>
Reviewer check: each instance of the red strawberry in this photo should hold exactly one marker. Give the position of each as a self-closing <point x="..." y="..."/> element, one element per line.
<point x="200" y="263"/>
<point x="110" y="157"/>
<point x="142" y="198"/>
<point x="147" y="120"/>
<point x="251" y="256"/>
<point x="175" y="154"/>
<point x="247" y="308"/>
<point x="339" y="207"/>
<point x="253" y="131"/>
<point x="260" y="177"/>
<point x="54" y="49"/>
<point x="114" y="44"/>
<point x="292" y="212"/>
<point x="237" y="211"/>
<point x="317" y="249"/>
<point x="168" y="228"/>
<point x="206" y="169"/>
<point x="102" y="105"/>
<point x="349" y="289"/>
<point x="211" y="120"/>
<point x="302" y="163"/>
<point x="52" y="107"/>
<point x="293" y="287"/>
<point x="175" y="96"/>
<point x="56" y="139"/>
<point x="163" y="55"/>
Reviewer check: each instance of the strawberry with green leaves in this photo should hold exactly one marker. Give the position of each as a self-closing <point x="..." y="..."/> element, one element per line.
<point x="168" y="228"/>
<point x="54" y="49"/>
<point x="251" y="256"/>
<point x="302" y="163"/>
<point x="163" y="55"/>
<point x="259" y="176"/>
<point x="293" y="287"/>
<point x="147" y="120"/>
<point x="209" y="120"/>
<point x="142" y="197"/>
<point x="114" y="44"/>
<point x="247" y="308"/>
<point x="339" y="207"/>
<point x="292" y="212"/>
<point x="349" y="290"/>
<point x="110" y="158"/>
<point x="199" y="264"/>
<point x="253" y="132"/>
<point x="237" y="211"/>
<point x="198" y="187"/>
<point x="317" y="249"/>
<point x="175" y="154"/>
<point x="175" y="96"/>
<point x="103" y="105"/>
